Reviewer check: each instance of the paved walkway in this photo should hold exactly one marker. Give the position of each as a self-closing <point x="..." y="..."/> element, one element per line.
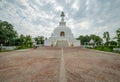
<point x="62" y="68"/>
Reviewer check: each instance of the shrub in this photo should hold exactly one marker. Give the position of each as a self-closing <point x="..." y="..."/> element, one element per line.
<point x="105" y="48"/>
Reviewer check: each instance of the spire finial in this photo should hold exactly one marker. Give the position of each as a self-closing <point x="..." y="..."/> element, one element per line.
<point x="62" y="14"/>
<point x="62" y="19"/>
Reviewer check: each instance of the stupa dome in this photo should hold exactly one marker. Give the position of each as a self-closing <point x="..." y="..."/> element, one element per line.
<point x="62" y="36"/>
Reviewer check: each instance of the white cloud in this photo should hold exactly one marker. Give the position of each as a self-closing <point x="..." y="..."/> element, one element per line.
<point x="87" y="5"/>
<point x="75" y="5"/>
<point x="40" y="17"/>
<point x="85" y="25"/>
<point x="67" y="1"/>
<point x="59" y="8"/>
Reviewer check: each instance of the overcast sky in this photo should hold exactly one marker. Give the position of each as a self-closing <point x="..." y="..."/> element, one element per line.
<point x="40" y="17"/>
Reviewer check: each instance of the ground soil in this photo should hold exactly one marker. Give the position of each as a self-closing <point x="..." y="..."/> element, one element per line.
<point x="43" y="65"/>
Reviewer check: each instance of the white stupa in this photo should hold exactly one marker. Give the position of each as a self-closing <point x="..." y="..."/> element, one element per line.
<point x="62" y="36"/>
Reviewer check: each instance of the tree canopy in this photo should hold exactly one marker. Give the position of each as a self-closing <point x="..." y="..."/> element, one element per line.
<point x="118" y="36"/>
<point x="7" y="33"/>
<point x="9" y="37"/>
<point x="39" y="39"/>
<point x="86" y="39"/>
<point x="107" y="37"/>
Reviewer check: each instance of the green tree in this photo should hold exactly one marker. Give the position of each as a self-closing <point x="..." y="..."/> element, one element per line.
<point x="7" y="33"/>
<point x="24" y="41"/>
<point x="39" y="39"/>
<point x="107" y="37"/>
<point x="96" y="39"/>
<point x="118" y="36"/>
<point x="81" y="38"/>
<point x="84" y="39"/>
<point x="28" y="41"/>
<point x="113" y="43"/>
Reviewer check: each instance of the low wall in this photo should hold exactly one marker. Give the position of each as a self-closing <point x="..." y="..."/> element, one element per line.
<point x="116" y="49"/>
<point x="8" y="47"/>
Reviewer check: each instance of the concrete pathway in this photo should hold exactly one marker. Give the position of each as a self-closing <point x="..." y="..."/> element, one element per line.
<point x="62" y="77"/>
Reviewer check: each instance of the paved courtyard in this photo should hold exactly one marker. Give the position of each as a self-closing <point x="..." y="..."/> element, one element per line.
<point x="47" y="64"/>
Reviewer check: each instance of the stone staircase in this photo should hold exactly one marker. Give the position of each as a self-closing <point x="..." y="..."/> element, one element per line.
<point x="62" y="43"/>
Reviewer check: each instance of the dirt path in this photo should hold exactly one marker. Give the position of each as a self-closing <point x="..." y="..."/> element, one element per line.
<point x="87" y="65"/>
<point x="62" y="68"/>
<point x="35" y="65"/>
<point x="48" y="64"/>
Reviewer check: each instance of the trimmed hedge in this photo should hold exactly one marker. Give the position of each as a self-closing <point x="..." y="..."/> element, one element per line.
<point x="105" y="48"/>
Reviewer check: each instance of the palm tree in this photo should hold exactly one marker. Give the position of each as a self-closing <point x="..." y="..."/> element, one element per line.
<point x="107" y="37"/>
<point x="118" y="36"/>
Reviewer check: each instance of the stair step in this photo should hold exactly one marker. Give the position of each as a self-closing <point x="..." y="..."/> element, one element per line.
<point x="62" y="43"/>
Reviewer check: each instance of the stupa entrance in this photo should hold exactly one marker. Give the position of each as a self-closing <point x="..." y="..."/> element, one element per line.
<point x="62" y="34"/>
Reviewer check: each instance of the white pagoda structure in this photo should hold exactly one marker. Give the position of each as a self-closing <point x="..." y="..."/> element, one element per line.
<point x="62" y="36"/>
